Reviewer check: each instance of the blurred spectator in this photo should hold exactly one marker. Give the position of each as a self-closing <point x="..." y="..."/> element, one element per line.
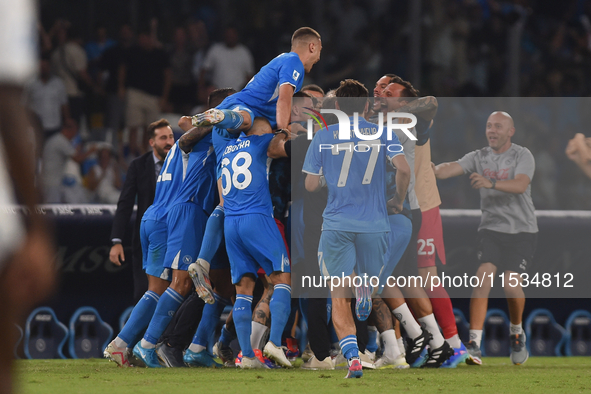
<point x="198" y="45"/>
<point x="110" y="62"/>
<point x="57" y="152"/>
<point x="95" y="49"/>
<point x="46" y="97"/>
<point x="579" y="151"/>
<point x="183" y="90"/>
<point x="104" y="178"/>
<point x="230" y="64"/>
<point x="144" y="80"/>
<point x="69" y="62"/>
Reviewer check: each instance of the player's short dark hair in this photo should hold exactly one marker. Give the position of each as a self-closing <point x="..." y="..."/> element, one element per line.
<point x="313" y="88"/>
<point x="351" y="88"/>
<point x="157" y="125"/>
<point x="218" y="95"/>
<point x="304" y="34"/>
<point x="408" y="91"/>
<point x="329" y="103"/>
<point x="302" y="94"/>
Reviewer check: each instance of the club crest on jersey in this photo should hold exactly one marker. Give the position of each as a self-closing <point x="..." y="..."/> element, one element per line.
<point x="296" y="75"/>
<point x="284" y="262"/>
<point x="187" y="259"/>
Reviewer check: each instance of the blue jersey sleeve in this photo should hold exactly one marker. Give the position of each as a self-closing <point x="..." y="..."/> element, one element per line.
<point x="266" y="140"/>
<point x="292" y="72"/>
<point x="313" y="161"/>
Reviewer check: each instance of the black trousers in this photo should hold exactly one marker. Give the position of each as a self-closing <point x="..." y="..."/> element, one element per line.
<point x="183" y="325"/>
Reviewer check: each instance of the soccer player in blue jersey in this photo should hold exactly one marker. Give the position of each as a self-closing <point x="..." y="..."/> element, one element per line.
<point x="355" y="227"/>
<point x="186" y="217"/>
<point x="154" y="233"/>
<point x="268" y="94"/>
<point x="253" y="240"/>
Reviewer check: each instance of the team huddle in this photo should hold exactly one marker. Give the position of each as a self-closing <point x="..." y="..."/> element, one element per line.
<point x="367" y="205"/>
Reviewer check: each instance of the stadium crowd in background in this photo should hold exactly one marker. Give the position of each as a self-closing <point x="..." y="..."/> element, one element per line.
<point x="96" y="105"/>
<point x="466" y="52"/>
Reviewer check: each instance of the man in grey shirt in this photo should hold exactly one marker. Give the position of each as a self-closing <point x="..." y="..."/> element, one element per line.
<point x="508" y="229"/>
<point x="58" y="150"/>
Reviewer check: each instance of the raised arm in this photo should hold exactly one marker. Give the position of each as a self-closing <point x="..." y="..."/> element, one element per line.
<point x="425" y="107"/>
<point x="193" y="134"/>
<point x="280" y="145"/>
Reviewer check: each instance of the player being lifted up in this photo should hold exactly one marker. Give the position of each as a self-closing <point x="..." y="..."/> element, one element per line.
<point x="245" y="187"/>
<point x="268" y="95"/>
<point x="355" y="226"/>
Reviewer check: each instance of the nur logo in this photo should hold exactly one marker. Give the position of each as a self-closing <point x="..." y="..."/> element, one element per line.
<point x="345" y="125"/>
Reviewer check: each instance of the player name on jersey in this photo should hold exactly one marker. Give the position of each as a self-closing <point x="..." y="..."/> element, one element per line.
<point x="234" y="148"/>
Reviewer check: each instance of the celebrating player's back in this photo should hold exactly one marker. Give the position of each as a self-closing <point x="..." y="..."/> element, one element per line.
<point x="355" y="227"/>
<point x="248" y="206"/>
<point x="245" y="168"/>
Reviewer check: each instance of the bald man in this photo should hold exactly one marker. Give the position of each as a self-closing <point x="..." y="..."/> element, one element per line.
<point x="508" y="229"/>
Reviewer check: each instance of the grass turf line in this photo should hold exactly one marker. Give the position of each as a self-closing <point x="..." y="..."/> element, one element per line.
<point x="497" y="375"/>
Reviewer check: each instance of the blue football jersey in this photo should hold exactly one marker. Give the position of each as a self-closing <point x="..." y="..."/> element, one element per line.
<point x="245" y="176"/>
<point x="355" y="176"/>
<point x="262" y="92"/>
<point x="199" y="179"/>
<point x="167" y="184"/>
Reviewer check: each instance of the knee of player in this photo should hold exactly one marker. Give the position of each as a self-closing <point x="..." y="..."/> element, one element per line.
<point x="281" y="278"/>
<point x="182" y="286"/>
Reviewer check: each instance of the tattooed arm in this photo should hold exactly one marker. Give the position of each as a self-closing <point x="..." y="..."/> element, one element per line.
<point x="425" y="107"/>
<point x="193" y="134"/>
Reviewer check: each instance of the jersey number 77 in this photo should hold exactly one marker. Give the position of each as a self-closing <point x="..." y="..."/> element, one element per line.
<point x="349" y="148"/>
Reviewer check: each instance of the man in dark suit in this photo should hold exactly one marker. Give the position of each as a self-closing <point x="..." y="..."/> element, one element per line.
<point x="141" y="182"/>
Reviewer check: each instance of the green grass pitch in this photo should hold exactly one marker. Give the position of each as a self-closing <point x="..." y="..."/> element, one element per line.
<point x="497" y="375"/>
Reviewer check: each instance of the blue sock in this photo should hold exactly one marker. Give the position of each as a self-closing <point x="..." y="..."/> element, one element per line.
<point x="232" y="120"/>
<point x="372" y="344"/>
<point x="243" y="321"/>
<point x="349" y="346"/>
<point x="227" y="337"/>
<point x="214" y="231"/>
<point x="209" y="320"/>
<point x="140" y="318"/>
<point x="280" y="307"/>
<point x="167" y="306"/>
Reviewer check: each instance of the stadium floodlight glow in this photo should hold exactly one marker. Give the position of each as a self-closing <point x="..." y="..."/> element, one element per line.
<point x="365" y="134"/>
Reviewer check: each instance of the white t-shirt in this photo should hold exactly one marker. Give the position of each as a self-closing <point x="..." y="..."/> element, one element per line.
<point x="56" y="153"/>
<point x="18" y="65"/>
<point x="18" y="41"/>
<point x="66" y="62"/>
<point x="230" y="67"/>
<point x="46" y="100"/>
